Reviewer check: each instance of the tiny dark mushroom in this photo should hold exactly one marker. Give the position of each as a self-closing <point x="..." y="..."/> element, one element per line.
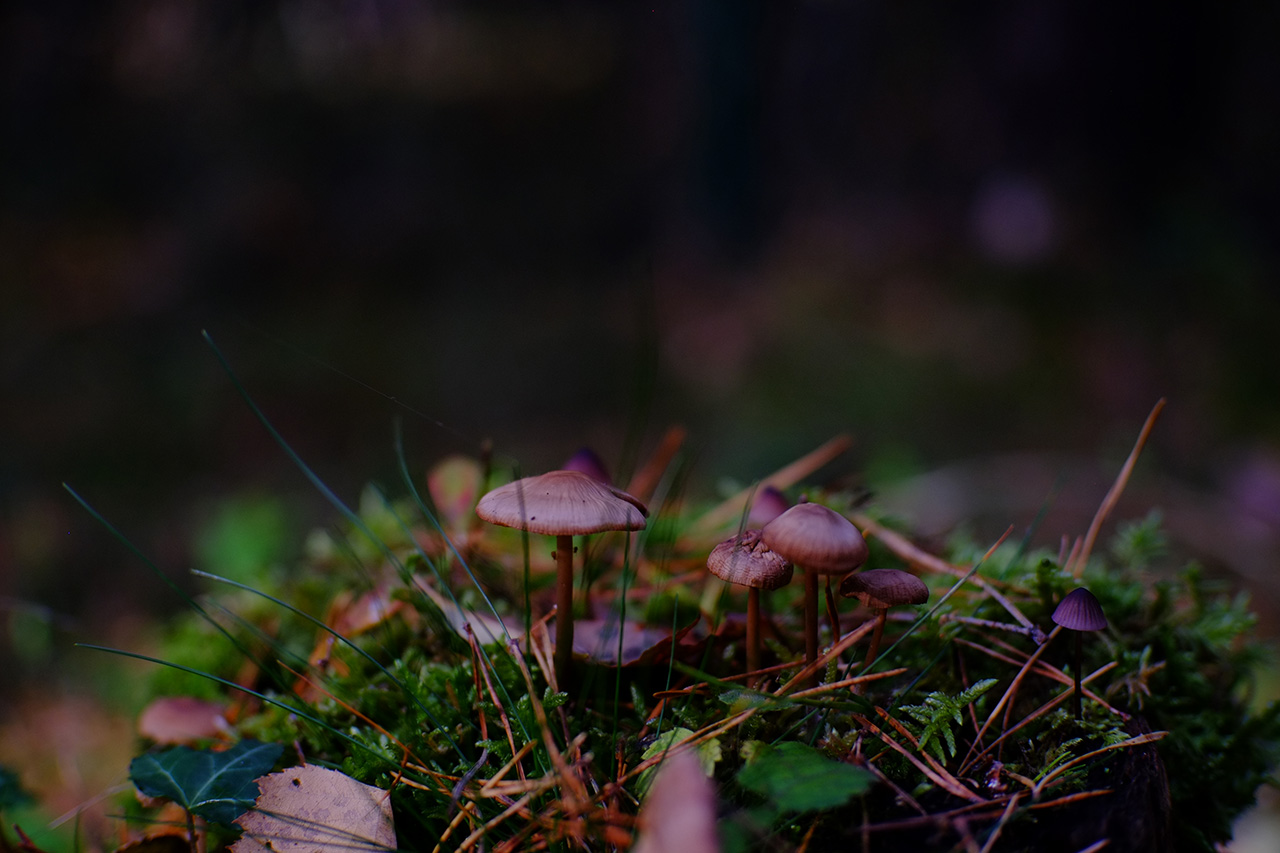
<point x="820" y="541"/>
<point x="746" y="561"/>
<point x="1079" y="611"/>
<point x="880" y="589"/>
<point x="562" y="504"/>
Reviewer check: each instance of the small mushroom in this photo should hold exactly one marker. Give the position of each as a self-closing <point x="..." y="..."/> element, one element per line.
<point x="768" y="503"/>
<point x="820" y="541"/>
<point x="562" y="504"/>
<point x="880" y="589"/>
<point x="589" y="462"/>
<point x="1079" y="611"/>
<point x="746" y="561"/>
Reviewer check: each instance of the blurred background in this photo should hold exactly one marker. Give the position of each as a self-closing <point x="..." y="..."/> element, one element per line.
<point x="983" y="240"/>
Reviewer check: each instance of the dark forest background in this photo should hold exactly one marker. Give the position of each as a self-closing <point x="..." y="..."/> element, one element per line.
<point x="984" y="239"/>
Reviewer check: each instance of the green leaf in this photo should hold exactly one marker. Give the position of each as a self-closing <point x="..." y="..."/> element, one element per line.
<point x="708" y="753"/>
<point x="218" y="786"/>
<point x="798" y="778"/>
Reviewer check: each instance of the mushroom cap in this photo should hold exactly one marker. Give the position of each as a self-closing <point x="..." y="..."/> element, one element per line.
<point x="562" y="503"/>
<point x="817" y="539"/>
<point x="747" y="561"/>
<point x="767" y="504"/>
<point x="1079" y="610"/>
<point x="588" y="462"/>
<point x="881" y="589"/>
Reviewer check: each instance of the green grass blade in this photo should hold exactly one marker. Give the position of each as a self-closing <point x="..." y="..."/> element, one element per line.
<point x="292" y="709"/>
<point x="168" y="581"/>
<point x="319" y="623"/>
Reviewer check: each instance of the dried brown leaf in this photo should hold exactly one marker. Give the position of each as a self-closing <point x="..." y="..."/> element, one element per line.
<point x="311" y="808"/>
<point x="181" y="719"/>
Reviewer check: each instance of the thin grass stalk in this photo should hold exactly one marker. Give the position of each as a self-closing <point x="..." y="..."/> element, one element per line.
<point x="319" y="623"/>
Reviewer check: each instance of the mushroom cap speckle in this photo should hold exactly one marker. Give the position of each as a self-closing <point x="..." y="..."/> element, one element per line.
<point x="1079" y="610"/>
<point x="881" y="589"/>
<point x="817" y="539"/>
<point x="562" y="503"/>
<point x="747" y="561"/>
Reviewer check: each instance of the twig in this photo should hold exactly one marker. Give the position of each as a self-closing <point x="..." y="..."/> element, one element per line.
<point x="913" y="555"/>
<point x="1034" y="715"/>
<point x="1117" y="488"/>
<point x="947" y="782"/>
<point x="999" y="827"/>
<point x="783" y="478"/>
<point x="645" y="481"/>
<point x="1013" y="687"/>
<point x="1149" y="737"/>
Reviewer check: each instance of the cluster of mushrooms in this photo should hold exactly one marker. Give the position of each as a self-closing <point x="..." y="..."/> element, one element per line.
<point x="820" y="541"/>
<point x="580" y="501"/>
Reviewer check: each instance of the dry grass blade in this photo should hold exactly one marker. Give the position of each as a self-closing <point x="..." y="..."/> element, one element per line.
<point x="783" y="478"/>
<point x="1096" y="846"/>
<point x="1113" y="496"/>
<point x="645" y="481"/>
<point x="1009" y="692"/>
<point x="1034" y="715"/>
<point x="914" y="556"/>
<point x="902" y="730"/>
<point x="820" y="664"/>
<point x="943" y="780"/>
<point x="999" y="827"/>
<point x="1150" y="737"/>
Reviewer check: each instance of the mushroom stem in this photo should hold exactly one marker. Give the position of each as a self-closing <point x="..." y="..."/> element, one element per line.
<point x="882" y="614"/>
<point x="564" y="610"/>
<point x="1075" y="697"/>
<point x="833" y="615"/>
<point x="753" y="633"/>
<point x="810" y="616"/>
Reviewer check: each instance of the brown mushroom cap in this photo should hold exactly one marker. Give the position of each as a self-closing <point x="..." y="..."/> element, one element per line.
<point x="747" y="561"/>
<point x="817" y="539"/>
<point x="562" y="503"/>
<point x="880" y="589"/>
<point x="1079" y="610"/>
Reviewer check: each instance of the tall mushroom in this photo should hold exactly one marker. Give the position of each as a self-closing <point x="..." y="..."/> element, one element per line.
<point x="746" y="561"/>
<point x="820" y="541"/>
<point x="880" y="589"/>
<point x="562" y="504"/>
<point x="1079" y="611"/>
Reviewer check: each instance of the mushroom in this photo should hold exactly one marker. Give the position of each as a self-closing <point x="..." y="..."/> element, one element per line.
<point x="562" y="504"/>
<point x="589" y="462"/>
<point x="769" y="503"/>
<point x="746" y="561"/>
<point x="820" y="541"/>
<point x="1079" y="611"/>
<point x="880" y="589"/>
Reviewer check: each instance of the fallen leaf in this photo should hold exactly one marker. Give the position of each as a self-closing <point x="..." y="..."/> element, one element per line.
<point x="597" y="639"/>
<point x="679" y="814"/>
<point x="168" y="843"/>
<point x="454" y="486"/>
<point x="351" y="617"/>
<point x="181" y="719"/>
<point x="310" y="809"/>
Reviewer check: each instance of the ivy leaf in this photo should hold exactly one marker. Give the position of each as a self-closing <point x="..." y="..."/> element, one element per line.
<point x="798" y="778"/>
<point x="218" y="786"/>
